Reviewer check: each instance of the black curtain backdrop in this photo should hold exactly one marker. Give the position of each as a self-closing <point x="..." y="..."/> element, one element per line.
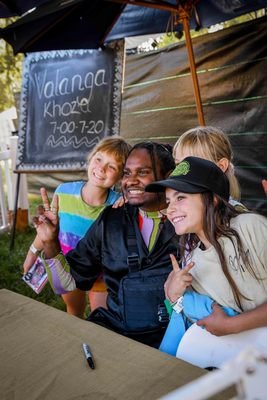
<point x="158" y="101"/>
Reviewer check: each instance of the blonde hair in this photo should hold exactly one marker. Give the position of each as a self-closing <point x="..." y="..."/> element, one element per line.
<point x="210" y="143"/>
<point x="115" y="146"/>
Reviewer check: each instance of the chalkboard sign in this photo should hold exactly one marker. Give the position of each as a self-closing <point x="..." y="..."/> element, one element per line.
<point x="70" y="100"/>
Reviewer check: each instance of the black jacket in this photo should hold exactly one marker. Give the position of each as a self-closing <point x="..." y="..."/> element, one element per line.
<point x="105" y="249"/>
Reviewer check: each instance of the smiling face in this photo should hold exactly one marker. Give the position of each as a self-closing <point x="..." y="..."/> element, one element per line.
<point x="185" y="211"/>
<point x="137" y="174"/>
<point x="104" y="170"/>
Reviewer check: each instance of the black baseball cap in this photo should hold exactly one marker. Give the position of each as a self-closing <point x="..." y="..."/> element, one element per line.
<point x="194" y="175"/>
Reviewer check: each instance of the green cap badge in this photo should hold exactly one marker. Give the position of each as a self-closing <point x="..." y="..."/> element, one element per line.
<point x="181" y="169"/>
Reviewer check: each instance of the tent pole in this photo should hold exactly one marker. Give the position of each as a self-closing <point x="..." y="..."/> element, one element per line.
<point x="185" y="20"/>
<point x="183" y="12"/>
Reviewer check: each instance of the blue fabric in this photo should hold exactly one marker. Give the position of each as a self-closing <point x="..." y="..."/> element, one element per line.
<point x="78" y="225"/>
<point x="173" y="334"/>
<point x="196" y="306"/>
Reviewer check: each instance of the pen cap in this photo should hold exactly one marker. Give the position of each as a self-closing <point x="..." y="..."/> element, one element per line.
<point x="86" y="350"/>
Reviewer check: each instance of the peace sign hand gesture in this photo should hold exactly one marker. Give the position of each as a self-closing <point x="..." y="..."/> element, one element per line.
<point x="46" y="224"/>
<point x="178" y="280"/>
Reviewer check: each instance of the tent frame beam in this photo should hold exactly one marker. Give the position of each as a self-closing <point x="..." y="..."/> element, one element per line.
<point x="183" y="12"/>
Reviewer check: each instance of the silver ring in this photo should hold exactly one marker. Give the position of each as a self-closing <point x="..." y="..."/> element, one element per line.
<point x="47" y="209"/>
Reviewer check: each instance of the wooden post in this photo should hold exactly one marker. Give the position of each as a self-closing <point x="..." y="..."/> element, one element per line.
<point x="184" y="18"/>
<point x="22" y="201"/>
<point x="183" y="13"/>
<point x="12" y="239"/>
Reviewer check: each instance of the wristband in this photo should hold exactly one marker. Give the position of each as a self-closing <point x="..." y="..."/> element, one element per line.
<point x="177" y="306"/>
<point x="34" y="250"/>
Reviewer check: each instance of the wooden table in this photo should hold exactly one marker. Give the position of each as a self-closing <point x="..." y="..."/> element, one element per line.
<point x="42" y="358"/>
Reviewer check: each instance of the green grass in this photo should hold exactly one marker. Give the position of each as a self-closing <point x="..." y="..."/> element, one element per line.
<point x="34" y="201"/>
<point x="11" y="264"/>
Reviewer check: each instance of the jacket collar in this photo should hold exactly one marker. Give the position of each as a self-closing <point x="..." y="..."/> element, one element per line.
<point x="167" y="233"/>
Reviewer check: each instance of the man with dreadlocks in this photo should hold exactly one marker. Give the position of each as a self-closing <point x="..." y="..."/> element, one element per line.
<point x="130" y="245"/>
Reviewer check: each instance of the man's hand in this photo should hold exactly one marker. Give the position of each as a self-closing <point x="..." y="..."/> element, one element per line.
<point x="46" y="224"/>
<point x="216" y="323"/>
<point x="178" y="280"/>
<point x="120" y="202"/>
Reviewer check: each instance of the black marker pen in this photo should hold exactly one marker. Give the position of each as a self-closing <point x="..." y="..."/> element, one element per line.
<point x="88" y="356"/>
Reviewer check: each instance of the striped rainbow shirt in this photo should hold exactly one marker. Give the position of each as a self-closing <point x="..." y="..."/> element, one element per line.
<point x="75" y="216"/>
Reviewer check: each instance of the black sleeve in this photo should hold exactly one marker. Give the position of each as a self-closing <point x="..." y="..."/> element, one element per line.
<point x="85" y="259"/>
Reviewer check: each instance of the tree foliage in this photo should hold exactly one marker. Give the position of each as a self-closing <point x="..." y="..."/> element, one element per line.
<point x="10" y="71"/>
